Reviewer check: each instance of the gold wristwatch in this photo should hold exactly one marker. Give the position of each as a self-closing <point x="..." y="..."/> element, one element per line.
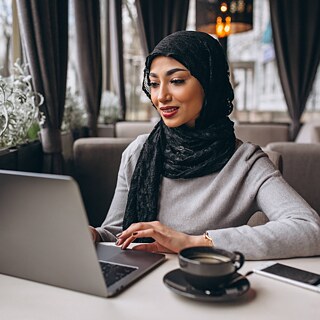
<point x="208" y="239"/>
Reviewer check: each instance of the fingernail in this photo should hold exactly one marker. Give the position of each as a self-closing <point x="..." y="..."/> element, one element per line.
<point x="117" y="242"/>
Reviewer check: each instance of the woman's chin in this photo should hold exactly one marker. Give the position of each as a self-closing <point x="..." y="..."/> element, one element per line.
<point x="171" y="123"/>
<point x="171" y="126"/>
<point x="176" y="124"/>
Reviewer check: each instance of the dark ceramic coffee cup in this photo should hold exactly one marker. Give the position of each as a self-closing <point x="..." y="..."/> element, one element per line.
<point x="208" y="267"/>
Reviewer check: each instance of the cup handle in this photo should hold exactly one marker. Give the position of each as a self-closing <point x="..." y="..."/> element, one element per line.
<point x="239" y="260"/>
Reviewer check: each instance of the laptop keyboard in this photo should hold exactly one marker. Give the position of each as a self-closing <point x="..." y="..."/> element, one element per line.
<point x="114" y="272"/>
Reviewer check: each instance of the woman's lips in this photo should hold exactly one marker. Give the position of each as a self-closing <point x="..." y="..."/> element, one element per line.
<point x="169" y="112"/>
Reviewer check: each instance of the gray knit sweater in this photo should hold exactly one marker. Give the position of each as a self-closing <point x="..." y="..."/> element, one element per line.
<point x="222" y="203"/>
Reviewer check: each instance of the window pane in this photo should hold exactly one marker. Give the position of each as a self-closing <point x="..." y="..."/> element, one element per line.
<point x="5" y="36"/>
<point x="138" y="105"/>
<point x="258" y="91"/>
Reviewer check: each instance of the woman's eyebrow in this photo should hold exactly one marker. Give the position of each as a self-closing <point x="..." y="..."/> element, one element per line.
<point x="168" y="73"/>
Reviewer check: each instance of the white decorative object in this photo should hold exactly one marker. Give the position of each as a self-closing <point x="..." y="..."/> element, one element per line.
<point x="109" y="108"/>
<point x="19" y="107"/>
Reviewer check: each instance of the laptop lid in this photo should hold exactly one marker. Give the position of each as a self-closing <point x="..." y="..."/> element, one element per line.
<point x="44" y="235"/>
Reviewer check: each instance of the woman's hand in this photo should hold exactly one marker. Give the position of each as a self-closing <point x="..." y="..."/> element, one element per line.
<point x="166" y="239"/>
<point x="95" y="235"/>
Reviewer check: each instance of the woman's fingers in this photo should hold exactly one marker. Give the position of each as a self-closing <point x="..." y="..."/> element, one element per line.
<point x="166" y="239"/>
<point x="125" y="242"/>
<point x="148" y="233"/>
<point x="131" y="231"/>
<point x="137" y="227"/>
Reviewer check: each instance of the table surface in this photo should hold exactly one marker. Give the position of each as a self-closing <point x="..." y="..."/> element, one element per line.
<point x="149" y="298"/>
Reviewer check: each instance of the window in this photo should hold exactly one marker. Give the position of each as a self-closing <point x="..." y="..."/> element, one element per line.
<point x="138" y="105"/>
<point x="5" y="36"/>
<point x="258" y="91"/>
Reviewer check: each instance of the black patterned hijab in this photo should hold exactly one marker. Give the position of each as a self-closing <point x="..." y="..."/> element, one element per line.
<point x="184" y="152"/>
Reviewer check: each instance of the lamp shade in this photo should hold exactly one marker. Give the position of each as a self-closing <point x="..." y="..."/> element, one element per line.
<point x="224" y="17"/>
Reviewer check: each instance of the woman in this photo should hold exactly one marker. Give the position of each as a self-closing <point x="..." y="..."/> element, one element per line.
<point x="191" y="182"/>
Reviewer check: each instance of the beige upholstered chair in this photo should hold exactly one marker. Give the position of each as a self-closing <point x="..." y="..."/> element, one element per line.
<point x="261" y="134"/>
<point x="96" y="162"/>
<point x="309" y="132"/>
<point x="132" y="129"/>
<point x="301" y="168"/>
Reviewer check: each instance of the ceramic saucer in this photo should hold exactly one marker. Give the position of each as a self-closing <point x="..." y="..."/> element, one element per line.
<point x="235" y="288"/>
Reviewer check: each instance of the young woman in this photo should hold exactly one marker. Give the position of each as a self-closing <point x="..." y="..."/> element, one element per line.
<point x="191" y="182"/>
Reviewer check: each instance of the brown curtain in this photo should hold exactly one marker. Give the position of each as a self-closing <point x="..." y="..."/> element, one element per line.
<point x="87" y="22"/>
<point x="296" y="26"/>
<point x="158" y="19"/>
<point x="107" y="49"/>
<point x="116" y="52"/>
<point x="44" y="33"/>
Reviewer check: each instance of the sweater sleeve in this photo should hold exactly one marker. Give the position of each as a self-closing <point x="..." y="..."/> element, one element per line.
<point x="293" y="229"/>
<point x="114" y="219"/>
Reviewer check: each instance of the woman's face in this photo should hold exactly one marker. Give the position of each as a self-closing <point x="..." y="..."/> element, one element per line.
<point x="177" y="95"/>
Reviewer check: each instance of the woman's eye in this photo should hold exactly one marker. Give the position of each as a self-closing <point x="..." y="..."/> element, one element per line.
<point x="177" y="81"/>
<point x="153" y="84"/>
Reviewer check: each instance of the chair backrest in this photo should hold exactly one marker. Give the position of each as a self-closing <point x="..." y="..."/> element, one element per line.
<point x="96" y="162"/>
<point x="261" y="134"/>
<point x="301" y="168"/>
<point x="132" y="129"/>
<point x="309" y="132"/>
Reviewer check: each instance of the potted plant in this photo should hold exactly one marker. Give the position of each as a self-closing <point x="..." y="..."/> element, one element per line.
<point x="19" y="107"/>
<point x="75" y="115"/>
<point x="20" y="116"/>
<point x="109" y="108"/>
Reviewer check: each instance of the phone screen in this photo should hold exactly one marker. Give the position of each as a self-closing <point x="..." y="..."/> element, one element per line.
<point x="293" y="274"/>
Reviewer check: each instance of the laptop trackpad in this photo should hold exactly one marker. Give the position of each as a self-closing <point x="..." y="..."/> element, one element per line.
<point x="129" y="257"/>
<point x="106" y="252"/>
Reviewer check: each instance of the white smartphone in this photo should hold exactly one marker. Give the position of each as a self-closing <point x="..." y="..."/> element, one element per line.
<point x="298" y="277"/>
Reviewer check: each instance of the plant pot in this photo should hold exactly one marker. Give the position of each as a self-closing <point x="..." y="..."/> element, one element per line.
<point x="8" y="159"/>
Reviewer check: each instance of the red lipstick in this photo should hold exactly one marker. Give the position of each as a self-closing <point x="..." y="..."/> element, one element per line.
<point x="169" y="111"/>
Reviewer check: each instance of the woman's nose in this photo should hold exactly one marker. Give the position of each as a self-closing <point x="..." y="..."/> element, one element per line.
<point x="164" y="95"/>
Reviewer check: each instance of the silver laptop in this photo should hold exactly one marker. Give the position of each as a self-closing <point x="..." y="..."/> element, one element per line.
<point x="44" y="237"/>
